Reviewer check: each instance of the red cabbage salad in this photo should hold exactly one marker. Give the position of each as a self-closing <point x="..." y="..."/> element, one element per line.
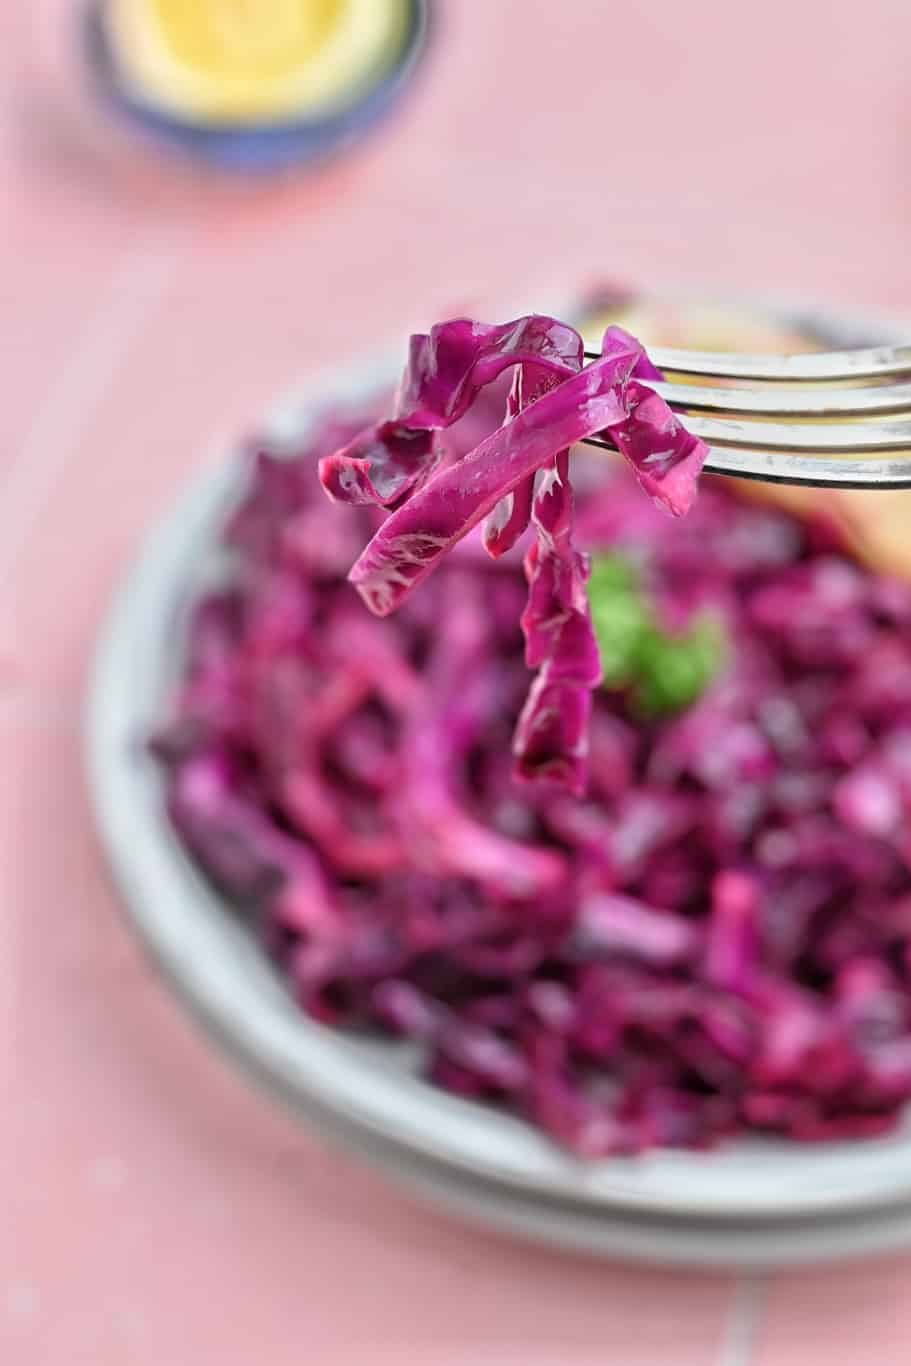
<point x="516" y="476"/>
<point x="698" y="923"/>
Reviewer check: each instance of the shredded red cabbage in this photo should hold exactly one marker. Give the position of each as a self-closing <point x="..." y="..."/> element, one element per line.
<point x="554" y="403"/>
<point x="716" y="940"/>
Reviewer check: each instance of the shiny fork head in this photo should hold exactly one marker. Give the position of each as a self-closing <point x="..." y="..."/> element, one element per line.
<point x="837" y="419"/>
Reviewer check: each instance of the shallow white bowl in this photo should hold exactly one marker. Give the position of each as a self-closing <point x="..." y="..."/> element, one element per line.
<point x="370" y="1092"/>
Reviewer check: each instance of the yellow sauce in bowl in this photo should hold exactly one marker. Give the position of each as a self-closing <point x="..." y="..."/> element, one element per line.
<point x="254" y="62"/>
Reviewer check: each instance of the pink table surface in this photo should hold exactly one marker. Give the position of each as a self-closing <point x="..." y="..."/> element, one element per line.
<point x="152" y="1208"/>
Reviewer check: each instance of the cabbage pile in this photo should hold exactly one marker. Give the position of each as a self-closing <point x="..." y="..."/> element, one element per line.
<point x="716" y="937"/>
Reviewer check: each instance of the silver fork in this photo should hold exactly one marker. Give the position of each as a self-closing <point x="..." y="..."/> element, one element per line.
<point x="822" y="437"/>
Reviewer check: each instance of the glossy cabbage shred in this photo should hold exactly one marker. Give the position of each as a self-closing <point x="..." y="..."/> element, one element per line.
<point x="717" y="939"/>
<point x="439" y="496"/>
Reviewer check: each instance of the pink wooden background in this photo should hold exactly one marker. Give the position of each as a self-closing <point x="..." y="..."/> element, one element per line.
<point x="152" y="1209"/>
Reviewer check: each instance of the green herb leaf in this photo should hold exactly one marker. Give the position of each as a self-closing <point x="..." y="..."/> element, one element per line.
<point x="619" y="617"/>
<point x="664" y="673"/>
<point x="673" y="671"/>
<point x="612" y="575"/>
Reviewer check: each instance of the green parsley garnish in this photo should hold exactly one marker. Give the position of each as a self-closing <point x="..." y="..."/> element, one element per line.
<point x="662" y="672"/>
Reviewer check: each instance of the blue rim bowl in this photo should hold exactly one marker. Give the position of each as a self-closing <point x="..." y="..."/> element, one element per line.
<point x="262" y="149"/>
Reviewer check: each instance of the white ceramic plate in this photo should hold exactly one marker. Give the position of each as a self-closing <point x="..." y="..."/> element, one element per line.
<point x="365" y="1088"/>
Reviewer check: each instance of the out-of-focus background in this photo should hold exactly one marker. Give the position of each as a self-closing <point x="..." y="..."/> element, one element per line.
<point x="152" y="1209"/>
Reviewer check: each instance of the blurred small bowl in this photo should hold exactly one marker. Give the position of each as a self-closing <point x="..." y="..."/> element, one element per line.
<point x="266" y="148"/>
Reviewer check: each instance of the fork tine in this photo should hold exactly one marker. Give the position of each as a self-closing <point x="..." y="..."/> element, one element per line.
<point x="811" y="367"/>
<point x="784" y="467"/>
<point x="842" y="438"/>
<point x="796" y="452"/>
<point x="782" y="401"/>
